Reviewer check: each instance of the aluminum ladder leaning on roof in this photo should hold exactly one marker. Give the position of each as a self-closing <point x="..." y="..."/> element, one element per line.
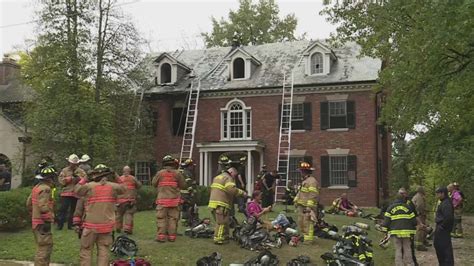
<point x="190" y="124"/>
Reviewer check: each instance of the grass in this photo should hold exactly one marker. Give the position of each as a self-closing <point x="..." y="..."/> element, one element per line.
<point x="185" y="251"/>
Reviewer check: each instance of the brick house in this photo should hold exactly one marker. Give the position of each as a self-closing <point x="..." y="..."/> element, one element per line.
<point x="333" y="121"/>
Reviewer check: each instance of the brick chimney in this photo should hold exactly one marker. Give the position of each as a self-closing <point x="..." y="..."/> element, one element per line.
<point x="8" y="69"/>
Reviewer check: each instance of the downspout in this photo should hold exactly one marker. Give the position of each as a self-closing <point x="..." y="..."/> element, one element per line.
<point x="377" y="170"/>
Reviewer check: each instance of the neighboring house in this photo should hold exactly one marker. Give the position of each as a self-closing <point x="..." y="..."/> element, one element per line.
<point x="334" y="115"/>
<point x="13" y="138"/>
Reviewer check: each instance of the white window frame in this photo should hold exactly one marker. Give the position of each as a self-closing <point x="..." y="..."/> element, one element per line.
<point x="343" y="170"/>
<point x="330" y="114"/>
<point x="245" y="68"/>
<point x="321" y="63"/>
<point x="293" y="165"/>
<point x="246" y="120"/>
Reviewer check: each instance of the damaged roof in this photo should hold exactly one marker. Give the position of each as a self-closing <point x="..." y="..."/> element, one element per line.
<point x="210" y="65"/>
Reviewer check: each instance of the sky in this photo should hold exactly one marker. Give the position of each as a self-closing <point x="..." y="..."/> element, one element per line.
<point x="167" y="25"/>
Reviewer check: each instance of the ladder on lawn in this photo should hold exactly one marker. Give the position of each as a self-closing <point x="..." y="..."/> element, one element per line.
<point x="190" y="125"/>
<point x="284" y="143"/>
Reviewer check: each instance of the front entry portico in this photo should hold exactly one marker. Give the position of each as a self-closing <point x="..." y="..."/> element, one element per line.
<point x="209" y="153"/>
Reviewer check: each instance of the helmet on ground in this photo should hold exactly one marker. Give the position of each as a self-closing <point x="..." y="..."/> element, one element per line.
<point x="73" y="158"/>
<point x="47" y="172"/>
<point x="85" y="158"/>
<point x="168" y="160"/>
<point x="124" y="246"/>
<point x="304" y="166"/>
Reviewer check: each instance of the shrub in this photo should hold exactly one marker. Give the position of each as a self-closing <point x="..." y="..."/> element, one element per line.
<point x="13" y="212"/>
<point x="202" y="195"/>
<point x="146" y="198"/>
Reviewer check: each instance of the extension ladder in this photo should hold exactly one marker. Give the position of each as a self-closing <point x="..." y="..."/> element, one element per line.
<point x="190" y="125"/>
<point x="284" y="143"/>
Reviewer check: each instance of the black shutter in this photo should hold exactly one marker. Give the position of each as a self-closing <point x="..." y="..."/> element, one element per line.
<point x="324" y="115"/>
<point x="324" y="171"/>
<point x="279" y="116"/>
<point x="308" y="123"/>
<point x="352" y="171"/>
<point x="350" y="109"/>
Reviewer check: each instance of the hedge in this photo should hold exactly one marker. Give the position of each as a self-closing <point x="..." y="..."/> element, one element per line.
<point x="13" y="212"/>
<point x="14" y="215"/>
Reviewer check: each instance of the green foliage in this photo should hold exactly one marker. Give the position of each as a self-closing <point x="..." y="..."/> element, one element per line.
<point x="427" y="53"/>
<point x="202" y="195"/>
<point x="13" y="212"/>
<point x="146" y="198"/>
<point x="82" y="68"/>
<point x="252" y="24"/>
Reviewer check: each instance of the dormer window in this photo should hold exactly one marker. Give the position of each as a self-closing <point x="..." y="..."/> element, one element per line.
<point x="239" y="68"/>
<point x="317" y="63"/>
<point x="318" y="59"/>
<point x="241" y="64"/>
<point x="165" y="73"/>
<point x="169" y="70"/>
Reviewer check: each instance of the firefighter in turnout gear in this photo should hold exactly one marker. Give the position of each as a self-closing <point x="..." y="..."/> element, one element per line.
<point x="223" y="191"/>
<point x="306" y="202"/>
<point x="69" y="177"/>
<point x="126" y="203"/>
<point x="41" y="205"/>
<point x="168" y="182"/>
<point x="419" y="201"/>
<point x="100" y="196"/>
<point x="400" y="222"/>
<point x="189" y="209"/>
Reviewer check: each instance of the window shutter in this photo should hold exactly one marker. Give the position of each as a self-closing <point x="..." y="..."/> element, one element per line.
<point x="307" y="116"/>
<point x="279" y="116"/>
<point x="324" y="115"/>
<point x="324" y="171"/>
<point x="352" y="171"/>
<point x="350" y="114"/>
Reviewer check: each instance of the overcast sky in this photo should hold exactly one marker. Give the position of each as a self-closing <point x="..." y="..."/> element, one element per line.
<point x="167" y="25"/>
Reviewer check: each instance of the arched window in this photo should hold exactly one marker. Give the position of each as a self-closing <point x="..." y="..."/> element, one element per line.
<point x="317" y="63"/>
<point x="165" y="73"/>
<point x="239" y="68"/>
<point x="236" y="121"/>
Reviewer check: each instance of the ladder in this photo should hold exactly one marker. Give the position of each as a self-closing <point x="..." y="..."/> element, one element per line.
<point x="284" y="143"/>
<point x="190" y="125"/>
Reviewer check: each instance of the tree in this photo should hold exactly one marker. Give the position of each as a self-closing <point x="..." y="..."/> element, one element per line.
<point x="84" y="64"/>
<point x="252" y="24"/>
<point x="427" y="50"/>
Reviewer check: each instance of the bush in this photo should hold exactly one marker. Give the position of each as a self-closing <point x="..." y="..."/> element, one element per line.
<point x="146" y="198"/>
<point x="13" y="212"/>
<point x="202" y="195"/>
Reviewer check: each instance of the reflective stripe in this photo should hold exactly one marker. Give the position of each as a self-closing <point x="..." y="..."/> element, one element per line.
<point x="100" y="228"/>
<point x="304" y="189"/>
<point x="229" y="184"/>
<point x="218" y="186"/>
<point x="215" y="203"/>
<point x="310" y="203"/>
<point x="403" y="216"/>
<point x="167" y="184"/>
<point x="402" y="233"/>
<point x="312" y="189"/>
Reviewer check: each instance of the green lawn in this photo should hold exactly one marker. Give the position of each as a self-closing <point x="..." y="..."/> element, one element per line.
<point x="185" y="251"/>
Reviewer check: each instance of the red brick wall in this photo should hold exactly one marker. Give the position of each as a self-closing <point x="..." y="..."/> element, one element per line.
<point x="265" y="128"/>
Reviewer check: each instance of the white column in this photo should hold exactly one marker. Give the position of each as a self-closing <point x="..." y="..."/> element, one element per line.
<point x="201" y="169"/>
<point x="261" y="159"/>
<point x="206" y="169"/>
<point x="249" y="172"/>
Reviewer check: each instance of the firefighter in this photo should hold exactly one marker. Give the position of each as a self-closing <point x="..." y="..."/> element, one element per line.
<point x="41" y="205"/>
<point x="168" y="182"/>
<point x="84" y="163"/>
<point x="457" y="199"/>
<point x="345" y="205"/>
<point x="444" y="225"/>
<point x="223" y="191"/>
<point x="189" y="209"/>
<point x="419" y="201"/>
<point x="306" y="202"/>
<point x="126" y="202"/>
<point x="100" y="196"/>
<point x="400" y="222"/>
<point x="69" y="177"/>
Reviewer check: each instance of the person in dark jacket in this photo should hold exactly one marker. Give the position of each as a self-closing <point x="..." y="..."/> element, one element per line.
<point x="444" y="225"/>
<point x="400" y="222"/>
